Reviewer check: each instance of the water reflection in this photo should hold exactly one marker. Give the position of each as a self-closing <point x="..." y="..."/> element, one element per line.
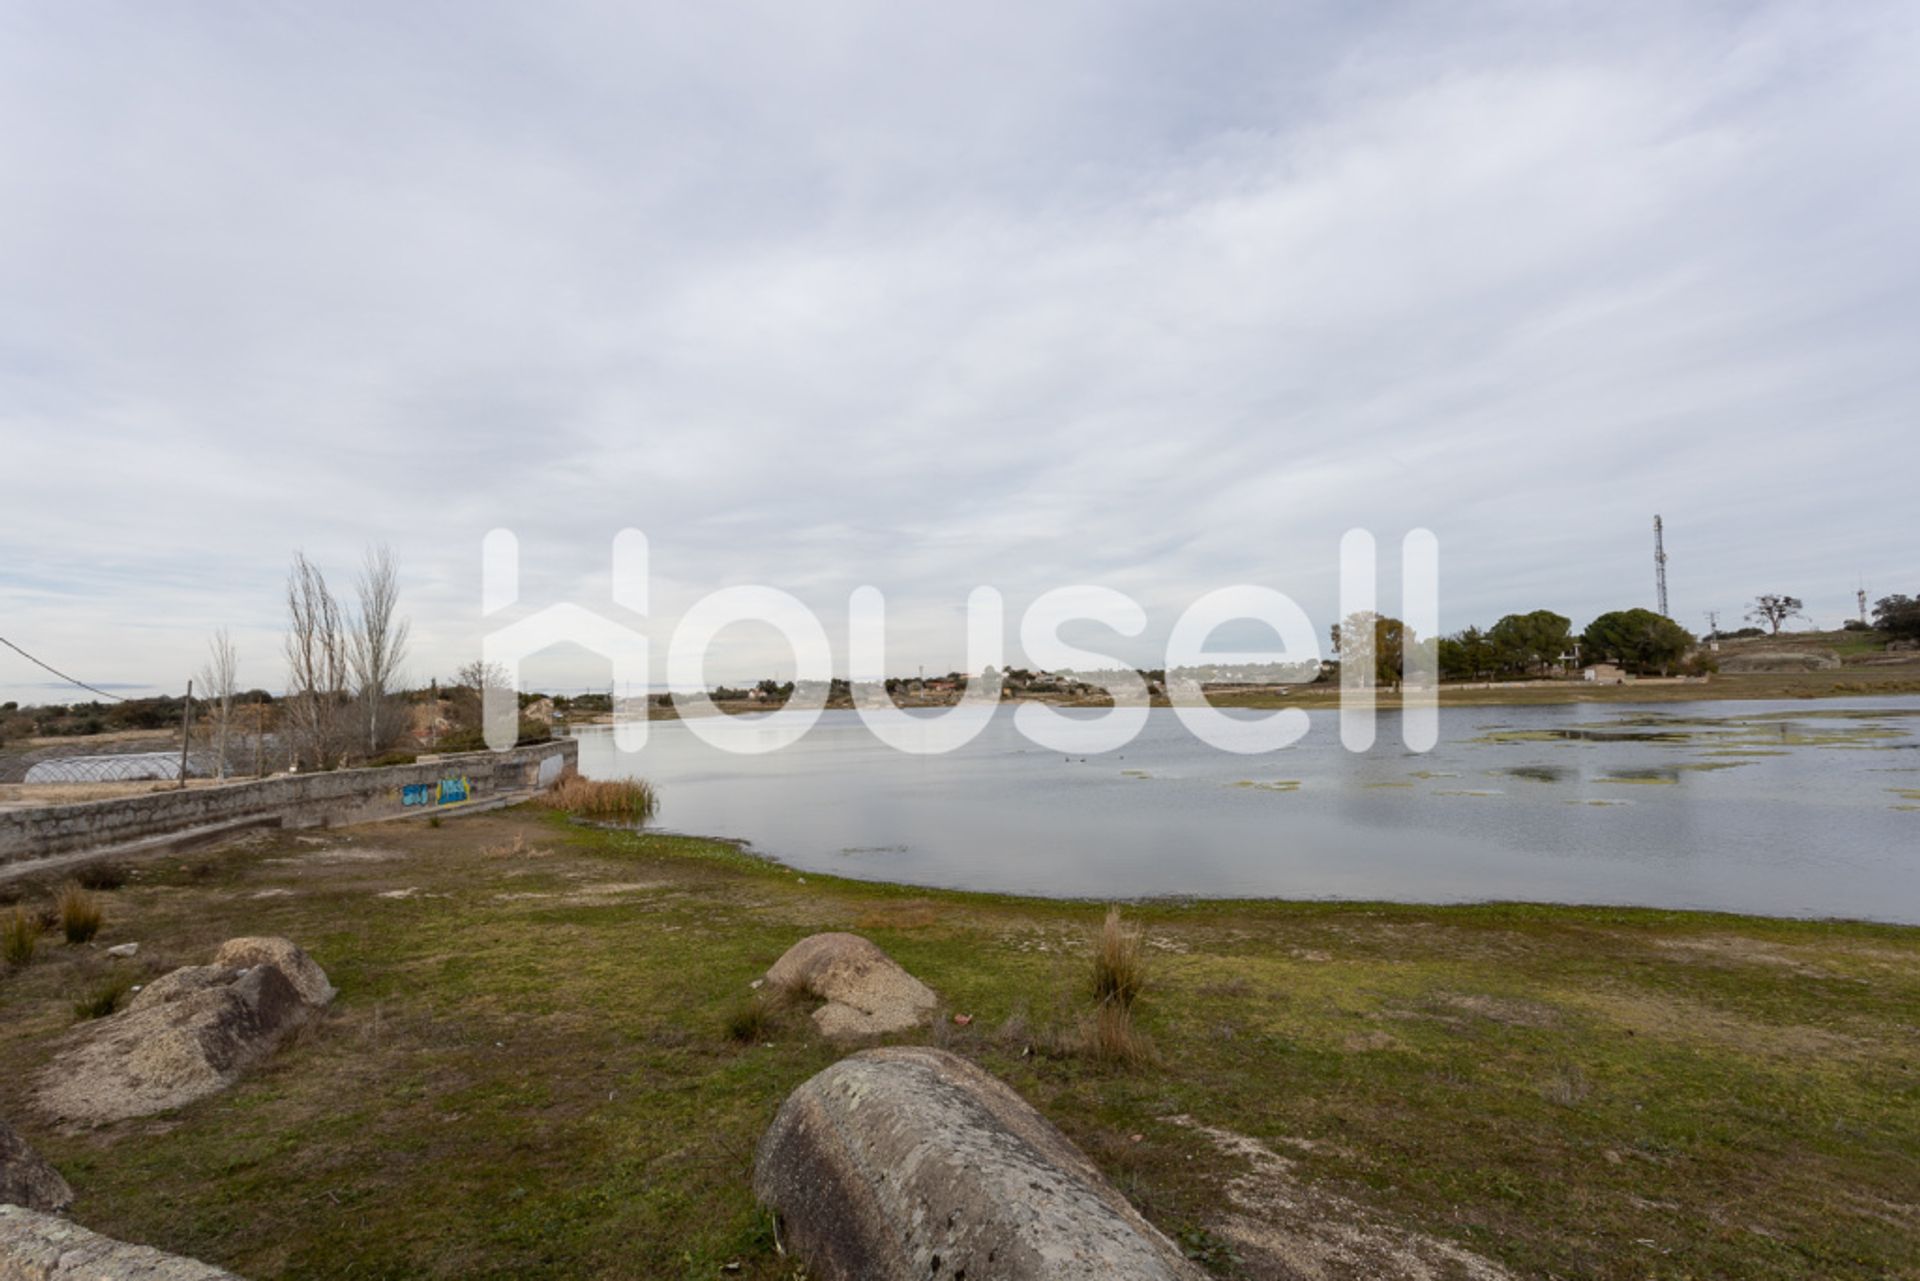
<point x="1741" y="807"/>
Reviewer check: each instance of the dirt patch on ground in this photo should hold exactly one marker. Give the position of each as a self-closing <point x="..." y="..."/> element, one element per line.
<point x="337" y="855"/>
<point x="608" y="893"/>
<point x="1287" y="1229"/>
<point x="1678" y="1019"/>
<point x="1362" y="1042"/>
<point x="1507" y="1010"/>
<point x="1743" y="951"/>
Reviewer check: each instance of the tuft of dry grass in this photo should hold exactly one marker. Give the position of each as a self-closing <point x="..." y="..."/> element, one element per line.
<point x="104" y="999"/>
<point x="626" y="800"/>
<point x="1119" y="962"/>
<point x="516" y="848"/>
<point x="19" y="935"/>
<point x="80" y="913"/>
<point x="1119" y="977"/>
<point x="757" y="1015"/>
<point x="1111" y="1036"/>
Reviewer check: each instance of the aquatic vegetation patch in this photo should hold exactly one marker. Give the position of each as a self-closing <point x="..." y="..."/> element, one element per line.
<point x="1837" y="713"/>
<point x="1843" y="727"/>
<point x="1665" y="775"/>
<point x="1273" y="785"/>
<point x="1541" y="773"/>
<point x="1602" y="801"/>
<point x="1586" y="734"/>
<point x="1134" y="773"/>
<point x="1432" y="774"/>
<point x="1466" y="791"/>
<point x="1790" y="734"/>
<point x="1375" y="786"/>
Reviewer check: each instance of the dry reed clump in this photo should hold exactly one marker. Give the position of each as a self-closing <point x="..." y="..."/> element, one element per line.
<point x="1119" y="962"/>
<point x="80" y="913"/>
<point x="626" y="800"/>
<point x="19" y="935"/>
<point x="1119" y="977"/>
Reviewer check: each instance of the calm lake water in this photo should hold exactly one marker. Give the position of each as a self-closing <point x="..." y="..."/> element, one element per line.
<point x="1791" y="809"/>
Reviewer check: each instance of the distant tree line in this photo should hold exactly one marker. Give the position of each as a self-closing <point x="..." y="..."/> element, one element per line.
<point x="1898" y="617"/>
<point x="1542" y="642"/>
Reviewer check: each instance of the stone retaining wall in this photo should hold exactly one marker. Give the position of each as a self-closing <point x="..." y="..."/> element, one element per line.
<point x="296" y="800"/>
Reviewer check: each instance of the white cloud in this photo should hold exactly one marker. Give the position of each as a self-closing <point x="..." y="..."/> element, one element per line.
<point x="1161" y="299"/>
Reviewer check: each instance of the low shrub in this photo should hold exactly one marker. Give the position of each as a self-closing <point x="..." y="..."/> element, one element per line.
<point x="80" y="913"/>
<point x="474" y="739"/>
<point x="102" y="876"/>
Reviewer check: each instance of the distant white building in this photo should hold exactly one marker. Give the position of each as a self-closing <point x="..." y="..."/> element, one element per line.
<point x="1605" y="674"/>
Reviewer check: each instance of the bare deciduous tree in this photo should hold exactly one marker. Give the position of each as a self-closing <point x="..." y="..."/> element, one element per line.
<point x="317" y="663"/>
<point x="218" y="681"/>
<point x="1773" y="610"/>
<point x="469" y="691"/>
<point x="379" y="643"/>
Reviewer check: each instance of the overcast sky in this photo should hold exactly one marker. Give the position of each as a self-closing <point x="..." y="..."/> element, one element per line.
<point x="1163" y="297"/>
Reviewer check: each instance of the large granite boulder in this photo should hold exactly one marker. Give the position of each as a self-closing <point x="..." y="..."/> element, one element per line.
<point x="910" y="1162"/>
<point x="42" y="1247"/>
<point x="866" y="992"/>
<point x="188" y="1034"/>
<point x="308" y="979"/>
<point x="26" y="1178"/>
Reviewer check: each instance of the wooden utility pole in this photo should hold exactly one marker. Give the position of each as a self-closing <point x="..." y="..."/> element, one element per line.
<point x="186" y="729"/>
<point x="259" y="745"/>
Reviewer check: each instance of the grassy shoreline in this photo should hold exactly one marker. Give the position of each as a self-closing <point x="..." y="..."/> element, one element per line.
<point x="529" y="1070"/>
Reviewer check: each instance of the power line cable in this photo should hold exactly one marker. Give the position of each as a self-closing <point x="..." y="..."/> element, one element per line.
<point x="118" y="698"/>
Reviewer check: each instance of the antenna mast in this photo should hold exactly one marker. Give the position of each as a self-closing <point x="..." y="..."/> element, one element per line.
<point x="1861" y="596"/>
<point x="1660" y="565"/>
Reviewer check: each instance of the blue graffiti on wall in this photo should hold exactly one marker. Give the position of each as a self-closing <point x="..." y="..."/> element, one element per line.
<point x="448" y="791"/>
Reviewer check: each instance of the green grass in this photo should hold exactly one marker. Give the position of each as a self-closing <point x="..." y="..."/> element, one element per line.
<point x="104" y="999"/>
<point x="552" y="1065"/>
